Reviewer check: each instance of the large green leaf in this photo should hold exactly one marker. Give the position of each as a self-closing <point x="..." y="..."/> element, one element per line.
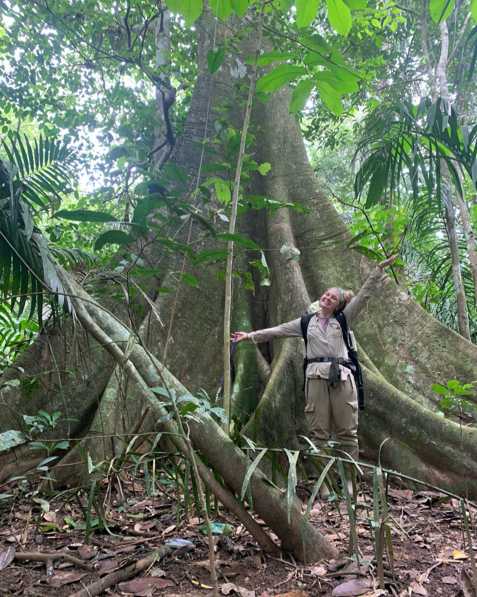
<point x="306" y="11"/>
<point x="84" y="215"/>
<point x="221" y="8"/>
<point x="473" y="9"/>
<point x="240" y="6"/>
<point x="339" y="16"/>
<point x="440" y="10"/>
<point x="331" y="98"/>
<point x="300" y="95"/>
<point x="279" y="76"/>
<point x="215" y="59"/>
<point x="112" y="237"/>
<point x="189" y="9"/>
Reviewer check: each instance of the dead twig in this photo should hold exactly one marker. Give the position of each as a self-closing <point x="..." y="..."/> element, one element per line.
<point x="48" y="556"/>
<point x="118" y="576"/>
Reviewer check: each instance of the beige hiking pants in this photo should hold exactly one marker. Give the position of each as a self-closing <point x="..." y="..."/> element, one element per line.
<point x="333" y="410"/>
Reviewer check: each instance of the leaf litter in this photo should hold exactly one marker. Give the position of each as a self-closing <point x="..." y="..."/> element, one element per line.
<point x="430" y="556"/>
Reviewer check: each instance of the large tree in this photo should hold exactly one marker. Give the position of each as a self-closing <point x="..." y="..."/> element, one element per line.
<point x="305" y="245"/>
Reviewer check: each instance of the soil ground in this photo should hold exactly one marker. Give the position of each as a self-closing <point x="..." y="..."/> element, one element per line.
<point x="431" y="555"/>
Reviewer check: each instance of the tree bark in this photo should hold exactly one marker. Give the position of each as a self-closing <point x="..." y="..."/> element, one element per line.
<point x="404" y="349"/>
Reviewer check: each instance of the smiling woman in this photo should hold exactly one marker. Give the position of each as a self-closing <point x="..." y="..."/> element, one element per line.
<point x="331" y="396"/>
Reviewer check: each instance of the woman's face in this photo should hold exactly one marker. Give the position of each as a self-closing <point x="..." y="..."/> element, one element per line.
<point x="330" y="300"/>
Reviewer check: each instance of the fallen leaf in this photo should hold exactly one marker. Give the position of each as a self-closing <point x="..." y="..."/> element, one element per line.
<point x="86" y="552"/>
<point x="230" y="588"/>
<point x="143" y="587"/>
<point x="449" y="580"/>
<point x="294" y="594"/>
<point x="6" y="557"/>
<point x="318" y="571"/>
<point x="49" y="516"/>
<point x="144" y="527"/>
<point x="457" y="554"/>
<point x="62" y="578"/>
<point x="418" y="589"/>
<point x="168" y="530"/>
<point x="157" y="572"/>
<point x="107" y="566"/>
<point x="350" y="588"/>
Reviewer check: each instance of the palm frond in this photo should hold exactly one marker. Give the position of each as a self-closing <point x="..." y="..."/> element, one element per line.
<point x="44" y="169"/>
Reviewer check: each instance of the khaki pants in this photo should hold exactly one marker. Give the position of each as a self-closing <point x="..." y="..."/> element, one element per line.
<point x="333" y="409"/>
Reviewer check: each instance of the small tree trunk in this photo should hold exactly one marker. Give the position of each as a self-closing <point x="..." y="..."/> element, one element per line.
<point x="462" y="312"/>
<point x="469" y="239"/>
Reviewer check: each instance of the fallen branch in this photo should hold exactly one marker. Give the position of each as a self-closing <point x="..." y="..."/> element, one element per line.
<point x="47" y="556"/>
<point x="114" y="578"/>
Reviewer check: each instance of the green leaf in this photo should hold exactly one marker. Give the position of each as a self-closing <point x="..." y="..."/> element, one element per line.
<point x="306" y="11"/>
<point x="84" y="215"/>
<point x="240" y="6"/>
<point x="357" y="4"/>
<point x="440" y="9"/>
<point x="112" y="237"/>
<point x="189" y="9"/>
<point x="439" y="389"/>
<point x="222" y="9"/>
<point x="331" y="98"/>
<point x="222" y="190"/>
<point x="339" y="16"/>
<point x="161" y="391"/>
<point x="300" y="95"/>
<point x="251" y="470"/>
<point x="215" y="59"/>
<point x="241" y="240"/>
<point x="473" y="9"/>
<point x="279" y="76"/>
<point x="270" y="57"/>
<point x="190" y="280"/>
<point x="264" y="168"/>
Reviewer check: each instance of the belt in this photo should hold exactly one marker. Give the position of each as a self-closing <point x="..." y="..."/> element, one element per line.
<point x="338" y="360"/>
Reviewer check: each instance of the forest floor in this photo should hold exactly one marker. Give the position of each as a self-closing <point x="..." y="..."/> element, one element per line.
<point x="430" y="553"/>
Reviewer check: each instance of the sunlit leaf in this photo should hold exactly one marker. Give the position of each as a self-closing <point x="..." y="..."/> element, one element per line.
<point x="306" y="11"/>
<point x="189" y="9"/>
<point x="240" y="6"/>
<point x="221" y="8"/>
<point x="300" y="95"/>
<point x="339" y="16"/>
<point x="331" y="98"/>
<point x="440" y="9"/>
<point x="279" y="76"/>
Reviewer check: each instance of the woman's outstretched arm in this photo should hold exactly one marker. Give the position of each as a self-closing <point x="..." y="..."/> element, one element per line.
<point x="284" y="330"/>
<point x="369" y="287"/>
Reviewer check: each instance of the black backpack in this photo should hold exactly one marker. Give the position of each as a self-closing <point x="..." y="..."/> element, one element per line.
<point x="353" y="355"/>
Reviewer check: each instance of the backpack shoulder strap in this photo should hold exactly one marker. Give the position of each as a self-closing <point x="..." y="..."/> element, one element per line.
<point x="304" y="323"/>
<point x="341" y="319"/>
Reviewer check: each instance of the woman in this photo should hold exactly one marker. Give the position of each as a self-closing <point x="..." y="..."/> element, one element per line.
<point x="331" y="396"/>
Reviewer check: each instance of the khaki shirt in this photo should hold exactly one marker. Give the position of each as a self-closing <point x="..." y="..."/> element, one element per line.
<point x="323" y="341"/>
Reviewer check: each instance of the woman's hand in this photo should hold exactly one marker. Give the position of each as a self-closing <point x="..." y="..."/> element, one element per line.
<point x="239" y="336"/>
<point x="388" y="261"/>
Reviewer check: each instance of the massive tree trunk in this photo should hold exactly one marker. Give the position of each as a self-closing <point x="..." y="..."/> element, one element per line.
<point x="404" y="350"/>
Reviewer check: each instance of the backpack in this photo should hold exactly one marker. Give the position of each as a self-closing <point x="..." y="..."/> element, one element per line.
<point x="352" y="354"/>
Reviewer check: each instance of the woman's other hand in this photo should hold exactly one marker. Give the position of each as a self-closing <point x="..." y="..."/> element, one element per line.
<point x="388" y="261"/>
<point x="239" y="336"/>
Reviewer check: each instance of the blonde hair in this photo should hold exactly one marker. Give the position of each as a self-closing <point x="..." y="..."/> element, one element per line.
<point x="345" y="297"/>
